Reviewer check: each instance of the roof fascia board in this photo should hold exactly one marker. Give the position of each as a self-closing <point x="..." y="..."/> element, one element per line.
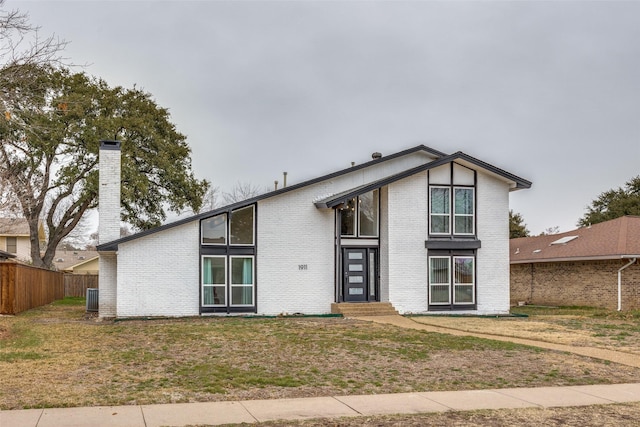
<point x="113" y="245"/>
<point x="517" y="182"/>
<point x="343" y="197"/>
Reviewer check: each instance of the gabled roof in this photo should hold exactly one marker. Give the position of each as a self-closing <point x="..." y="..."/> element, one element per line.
<point x="459" y="157"/>
<point x="618" y="238"/>
<point x="68" y="259"/>
<point x="14" y="227"/>
<point x="440" y="159"/>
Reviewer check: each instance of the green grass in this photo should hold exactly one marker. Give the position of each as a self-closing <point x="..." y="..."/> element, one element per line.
<point x="70" y="301"/>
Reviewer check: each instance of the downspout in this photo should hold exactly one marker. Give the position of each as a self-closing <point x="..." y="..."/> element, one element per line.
<point x="633" y="260"/>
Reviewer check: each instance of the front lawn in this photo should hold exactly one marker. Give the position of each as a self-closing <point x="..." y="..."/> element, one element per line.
<point x="55" y="356"/>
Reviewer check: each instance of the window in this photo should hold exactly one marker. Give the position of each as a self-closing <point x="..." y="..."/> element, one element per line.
<point x="214" y="230"/>
<point x="441" y="279"/>
<point x="241" y="227"/>
<point x="368" y="214"/>
<point x="218" y="281"/>
<point x="440" y="210"/>
<point x="214" y="281"/>
<point x="241" y="280"/>
<point x="12" y="245"/>
<point x="359" y="217"/>
<point x="463" y="280"/>
<point x="463" y="211"/>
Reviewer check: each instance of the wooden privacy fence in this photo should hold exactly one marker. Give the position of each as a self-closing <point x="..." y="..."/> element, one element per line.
<point x="23" y="287"/>
<point x="76" y="285"/>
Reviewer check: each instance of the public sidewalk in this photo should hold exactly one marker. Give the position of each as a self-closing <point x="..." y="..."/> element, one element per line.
<point x="252" y="411"/>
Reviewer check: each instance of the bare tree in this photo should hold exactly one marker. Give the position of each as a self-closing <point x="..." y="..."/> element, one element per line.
<point x="22" y="51"/>
<point x="241" y="191"/>
<point x="210" y="200"/>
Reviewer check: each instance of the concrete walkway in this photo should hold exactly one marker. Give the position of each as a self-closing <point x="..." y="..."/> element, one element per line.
<point x="597" y="353"/>
<point x="252" y="411"/>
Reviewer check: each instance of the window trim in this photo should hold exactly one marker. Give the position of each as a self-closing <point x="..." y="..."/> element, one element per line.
<point x="472" y="284"/>
<point x="356" y="219"/>
<point x="242" y="285"/>
<point x="226" y="230"/>
<point x="448" y="283"/>
<point x="453" y="304"/>
<point x="14" y="244"/>
<point x="212" y="285"/>
<point x="472" y="215"/>
<point x="431" y="214"/>
<point x="253" y="227"/>
<point x="452" y="211"/>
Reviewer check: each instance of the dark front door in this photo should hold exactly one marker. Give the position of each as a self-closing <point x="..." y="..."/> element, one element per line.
<point x="360" y="277"/>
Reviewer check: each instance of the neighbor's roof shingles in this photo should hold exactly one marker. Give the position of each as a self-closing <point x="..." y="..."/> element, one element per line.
<point x="14" y="227"/>
<point x="606" y="240"/>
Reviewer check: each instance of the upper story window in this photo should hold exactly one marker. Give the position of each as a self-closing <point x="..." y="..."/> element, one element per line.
<point x="214" y="230"/>
<point x="236" y="229"/>
<point x="360" y="216"/>
<point x="441" y="205"/>
<point x="12" y="245"/>
<point x="242" y="226"/>
<point x="463" y="211"/>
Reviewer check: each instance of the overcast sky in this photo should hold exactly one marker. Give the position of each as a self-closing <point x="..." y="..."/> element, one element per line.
<point x="549" y="91"/>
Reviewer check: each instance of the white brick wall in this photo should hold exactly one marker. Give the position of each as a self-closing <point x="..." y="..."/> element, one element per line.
<point x="407" y="215"/>
<point x="292" y="232"/>
<point x="493" y="257"/>
<point x="108" y="262"/>
<point x="158" y="275"/>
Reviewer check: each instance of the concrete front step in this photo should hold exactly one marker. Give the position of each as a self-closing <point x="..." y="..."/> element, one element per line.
<point x="363" y="309"/>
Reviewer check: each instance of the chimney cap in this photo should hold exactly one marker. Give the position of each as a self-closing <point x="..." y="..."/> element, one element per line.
<point x="109" y="144"/>
<point x="376" y="155"/>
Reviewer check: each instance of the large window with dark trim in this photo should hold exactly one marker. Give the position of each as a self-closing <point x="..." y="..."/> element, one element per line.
<point x="228" y="270"/>
<point x="452" y="280"/>
<point x="441" y="204"/>
<point x="227" y="275"/>
<point x="359" y="217"/>
<point x="241" y="228"/>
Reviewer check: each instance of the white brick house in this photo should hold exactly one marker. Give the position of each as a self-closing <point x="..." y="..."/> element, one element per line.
<point x="423" y="230"/>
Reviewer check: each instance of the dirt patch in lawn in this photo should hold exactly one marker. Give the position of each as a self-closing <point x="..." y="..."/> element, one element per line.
<point x="54" y="357"/>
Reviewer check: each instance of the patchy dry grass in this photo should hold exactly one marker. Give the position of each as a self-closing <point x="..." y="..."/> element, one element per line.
<point x="56" y="357"/>
<point x="576" y="326"/>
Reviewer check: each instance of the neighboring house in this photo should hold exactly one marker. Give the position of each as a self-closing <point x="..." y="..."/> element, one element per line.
<point x="421" y="229"/>
<point x="76" y="261"/>
<point x="592" y="266"/>
<point x="14" y="237"/>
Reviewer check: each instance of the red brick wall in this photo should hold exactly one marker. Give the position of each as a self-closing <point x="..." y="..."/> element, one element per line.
<point x="583" y="283"/>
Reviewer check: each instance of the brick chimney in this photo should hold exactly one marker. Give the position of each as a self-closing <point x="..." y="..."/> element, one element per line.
<point x="109" y="192"/>
<point x="109" y="226"/>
